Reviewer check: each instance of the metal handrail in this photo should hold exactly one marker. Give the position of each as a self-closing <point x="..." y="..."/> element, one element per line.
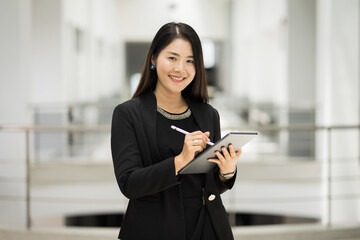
<point x="70" y="128"/>
<point x="105" y="128"/>
<point x="296" y="127"/>
<point x="97" y="128"/>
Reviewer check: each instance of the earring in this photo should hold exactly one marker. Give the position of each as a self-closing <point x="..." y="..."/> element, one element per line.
<point x="152" y="66"/>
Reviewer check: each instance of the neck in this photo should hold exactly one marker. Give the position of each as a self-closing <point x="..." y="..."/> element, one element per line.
<point x="174" y="103"/>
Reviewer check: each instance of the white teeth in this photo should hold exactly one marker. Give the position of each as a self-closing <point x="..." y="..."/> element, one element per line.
<point x="176" y="78"/>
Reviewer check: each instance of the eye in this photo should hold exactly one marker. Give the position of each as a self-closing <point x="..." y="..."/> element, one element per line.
<point x="190" y="61"/>
<point x="172" y="58"/>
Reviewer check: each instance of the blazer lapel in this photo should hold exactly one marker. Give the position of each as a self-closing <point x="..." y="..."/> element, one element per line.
<point x="148" y="108"/>
<point x="199" y="113"/>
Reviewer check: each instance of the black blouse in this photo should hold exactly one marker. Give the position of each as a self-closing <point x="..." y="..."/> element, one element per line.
<point x="170" y="144"/>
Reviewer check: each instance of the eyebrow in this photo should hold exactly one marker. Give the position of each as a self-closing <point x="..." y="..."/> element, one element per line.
<point x="176" y="54"/>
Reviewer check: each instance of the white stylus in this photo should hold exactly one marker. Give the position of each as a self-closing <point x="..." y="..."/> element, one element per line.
<point x="186" y="132"/>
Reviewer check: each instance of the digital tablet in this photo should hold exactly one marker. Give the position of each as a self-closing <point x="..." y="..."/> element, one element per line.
<point x="201" y="164"/>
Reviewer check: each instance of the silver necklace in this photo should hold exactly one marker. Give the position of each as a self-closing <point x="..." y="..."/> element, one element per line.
<point x="172" y="116"/>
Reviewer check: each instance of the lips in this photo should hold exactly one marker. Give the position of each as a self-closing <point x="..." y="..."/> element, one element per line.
<point x="176" y="78"/>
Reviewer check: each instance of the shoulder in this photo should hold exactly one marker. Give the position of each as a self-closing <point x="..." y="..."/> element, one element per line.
<point x="129" y="109"/>
<point x="210" y="108"/>
<point x="128" y="106"/>
<point x="137" y="106"/>
<point x="212" y="112"/>
<point x="134" y="103"/>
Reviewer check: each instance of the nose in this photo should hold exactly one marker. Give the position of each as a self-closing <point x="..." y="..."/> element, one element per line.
<point x="179" y="66"/>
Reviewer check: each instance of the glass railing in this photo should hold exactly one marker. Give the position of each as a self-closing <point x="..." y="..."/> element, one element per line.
<point x="62" y="175"/>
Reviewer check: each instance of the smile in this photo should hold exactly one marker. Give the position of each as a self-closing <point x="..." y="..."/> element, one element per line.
<point x="177" y="79"/>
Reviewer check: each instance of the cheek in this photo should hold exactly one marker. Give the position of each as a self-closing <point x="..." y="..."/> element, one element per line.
<point x="192" y="71"/>
<point x="161" y="64"/>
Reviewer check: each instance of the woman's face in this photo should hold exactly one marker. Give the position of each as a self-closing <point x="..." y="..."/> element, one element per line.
<point x="175" y="66"/>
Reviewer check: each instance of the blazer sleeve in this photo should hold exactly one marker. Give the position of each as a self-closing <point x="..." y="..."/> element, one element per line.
<point x="223" y="187"/>
<point x="134" y="179"/>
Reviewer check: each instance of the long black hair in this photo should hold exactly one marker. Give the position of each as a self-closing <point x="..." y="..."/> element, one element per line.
<point x="197" y="89"/>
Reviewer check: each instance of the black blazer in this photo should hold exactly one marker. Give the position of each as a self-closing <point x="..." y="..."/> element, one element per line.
<point x="155" y="209"/>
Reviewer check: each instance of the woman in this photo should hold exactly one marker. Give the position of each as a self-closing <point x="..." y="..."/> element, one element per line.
<point x="148" y="154"/>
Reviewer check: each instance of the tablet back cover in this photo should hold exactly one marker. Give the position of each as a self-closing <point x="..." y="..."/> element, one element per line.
<point x="201" y="164"/>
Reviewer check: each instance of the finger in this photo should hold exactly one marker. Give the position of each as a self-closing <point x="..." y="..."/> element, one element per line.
<point x="207" y="135"/>
<point x="196" y="133"/>
<point x="196" y="142"/>
<point x="199" y="142"/>
<point x="219" y="156"/>
<point x="199" y="134"/>
<point x="232" y="151"/>
<point x="214" y="160"/>
<point x="238" y="153"/>
<point x="197" y="149"/>
<point x="189" y="142"/>
<point x="203" y="137"/>
<point x="203" y="144"/>
<point x="189" y="139"/>
<point x="225" y="152"/>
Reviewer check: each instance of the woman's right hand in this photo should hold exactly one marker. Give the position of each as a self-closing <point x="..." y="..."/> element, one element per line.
<point x="194" y="142"/>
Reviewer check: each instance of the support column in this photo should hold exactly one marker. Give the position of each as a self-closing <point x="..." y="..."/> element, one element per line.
<point x="15" y="65"/>
<point x="338" y="100"/>
<point x="301" y="75"/>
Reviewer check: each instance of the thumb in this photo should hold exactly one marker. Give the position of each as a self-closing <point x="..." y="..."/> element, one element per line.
<point x="207" y="133"/>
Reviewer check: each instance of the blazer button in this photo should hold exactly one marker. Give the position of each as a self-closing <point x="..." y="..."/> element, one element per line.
<point x="212" y="197"/>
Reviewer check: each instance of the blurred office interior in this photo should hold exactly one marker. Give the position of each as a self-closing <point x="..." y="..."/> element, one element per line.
<point x="288" y="69"/>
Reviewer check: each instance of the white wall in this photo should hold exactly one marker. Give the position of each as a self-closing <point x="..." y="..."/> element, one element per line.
<point x="95" y="71"/>
<point x="46" y="85"/>
<point x="108" y="25"/>
<point x="337" y="95"/>
<point x="301" y="48"/>
<point x="15" y="28"/>
<point x="258" y="51"/>
<point x="15" y="65"/>
<point x="338" y="62"/>
<point x="140" y="20"/>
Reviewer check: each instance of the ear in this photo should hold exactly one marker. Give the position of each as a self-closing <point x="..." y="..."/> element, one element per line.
<point x="153" y="60"/>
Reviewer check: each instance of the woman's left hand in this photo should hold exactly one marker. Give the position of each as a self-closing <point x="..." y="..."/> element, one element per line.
<point x="227" y="159"/>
